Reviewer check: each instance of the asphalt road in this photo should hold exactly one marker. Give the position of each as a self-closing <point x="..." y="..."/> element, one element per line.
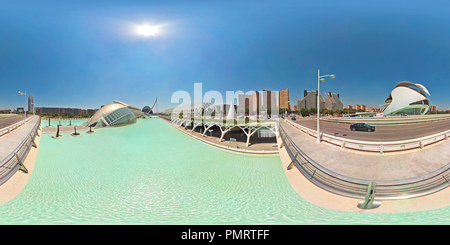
<point x="382" y="133"/>
<point x="5" y="122"/>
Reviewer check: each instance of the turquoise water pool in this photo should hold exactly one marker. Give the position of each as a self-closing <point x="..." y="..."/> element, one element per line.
<point x="45" y="123"/>
<point x="150" y="173"/>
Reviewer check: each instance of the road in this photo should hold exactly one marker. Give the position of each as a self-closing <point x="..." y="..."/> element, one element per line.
<point x="382" y="133"/>
<point x="5" y="122"/>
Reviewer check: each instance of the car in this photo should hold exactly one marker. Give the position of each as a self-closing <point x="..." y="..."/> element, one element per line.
<point x="294" y="118"/>
<point x="362" y="127"/>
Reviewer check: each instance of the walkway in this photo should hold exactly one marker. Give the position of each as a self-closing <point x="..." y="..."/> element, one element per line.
<point x="367" y="166"/>
<point x="259" y="146"/>
<point x="8" y="143"/>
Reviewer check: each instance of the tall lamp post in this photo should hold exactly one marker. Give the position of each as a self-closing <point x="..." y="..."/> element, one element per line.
<point x="285" y="109"/>
<point x="24" y="106"/>
<point x="319" y="80"/>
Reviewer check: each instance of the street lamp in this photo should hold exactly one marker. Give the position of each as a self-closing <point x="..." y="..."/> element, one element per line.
<point x="319" y="80"/>
<point x="285" y="109"/>
<point x="24" y="106"/>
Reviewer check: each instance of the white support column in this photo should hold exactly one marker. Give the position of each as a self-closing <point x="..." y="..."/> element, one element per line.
<point x="206" y="128"/>
<point x="195" y="125"/>
<point x="227" y="129"/>
<point x="251" y="131"/>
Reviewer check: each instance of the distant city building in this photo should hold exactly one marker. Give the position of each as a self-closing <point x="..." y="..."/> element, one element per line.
<point x="31" y="104"/>
<point x="258" y="103"/>
<point x="283" y="99"/>
<point x="58" y="110"/>
<point x="360" y="107"/>
<point x="269" y="99"/>
<point x="332" y="102"/>
<point x="249" y="104"/>
<point x="299" y="101"/>
<point x="433" y="108"/>
<point x="407" y="98"/>
<point x="310" y="100"/>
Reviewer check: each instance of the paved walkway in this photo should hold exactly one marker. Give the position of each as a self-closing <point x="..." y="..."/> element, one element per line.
<point x="8" y="143"/>
<point x="372" y="166"/>
<point x="367" y="166"/>
<point x="12" y="140"/>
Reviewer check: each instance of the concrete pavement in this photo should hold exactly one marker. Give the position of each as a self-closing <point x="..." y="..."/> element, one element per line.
<point x="8" y="143"/>
<point x="367" y="166"/>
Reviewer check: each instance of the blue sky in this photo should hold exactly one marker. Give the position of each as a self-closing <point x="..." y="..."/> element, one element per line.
<point x="86" y="54"/>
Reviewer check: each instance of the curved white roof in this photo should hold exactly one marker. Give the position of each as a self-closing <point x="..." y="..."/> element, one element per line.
<point x="104" y="111"/>
<point x="403" y="96"/>
<point x="110" y="114"/>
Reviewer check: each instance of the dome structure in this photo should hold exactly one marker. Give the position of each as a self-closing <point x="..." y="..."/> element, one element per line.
<point x="114" y="114"/>
<point x="147" y="110"/>
<point x="407" y="98"/>
<point x="136" y="111"/>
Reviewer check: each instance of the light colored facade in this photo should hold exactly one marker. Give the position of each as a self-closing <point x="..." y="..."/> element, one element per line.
<point x="248" y="103"/>
<point x="310" y="100"/>
<point x="299" y="101"/>
<point x="407" y="98"/>
<point x="259" y="103"/>
<point x="114" y="114"/>
<point x="433" y="108"/>
<point x="332" y="102"/>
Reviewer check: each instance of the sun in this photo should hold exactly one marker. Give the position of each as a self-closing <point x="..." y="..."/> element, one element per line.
<point x="147" y="30"/>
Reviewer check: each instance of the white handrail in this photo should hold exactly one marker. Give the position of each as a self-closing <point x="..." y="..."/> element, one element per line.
<point x="377" y="145"/>
<point x="10" y="128"/>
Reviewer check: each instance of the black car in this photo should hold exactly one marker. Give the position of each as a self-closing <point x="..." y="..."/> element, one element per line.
<point x="362" y="126"/>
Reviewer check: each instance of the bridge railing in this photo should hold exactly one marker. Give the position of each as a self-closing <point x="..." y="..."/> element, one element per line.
<point x="14" y="161"/>
<point x="357" y="188"/>
<point x="373" y="146"/>
<point x="392" y="120"/>
<point x="12" y="127"/>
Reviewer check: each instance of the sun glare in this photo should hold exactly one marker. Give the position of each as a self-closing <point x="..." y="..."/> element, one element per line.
<point x="147" y="30"/>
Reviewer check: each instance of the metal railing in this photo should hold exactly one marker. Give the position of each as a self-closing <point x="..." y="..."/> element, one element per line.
<point x="392" y="120"/>
<point x="357" y="188"/>
<point x="373" y="146"/>
<point x="14" y="126"/>
<point x="14" y="161"/>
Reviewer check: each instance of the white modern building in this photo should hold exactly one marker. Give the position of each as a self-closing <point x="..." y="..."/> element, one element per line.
<point x="114" y="114"/>
<point x="407" y="98"/>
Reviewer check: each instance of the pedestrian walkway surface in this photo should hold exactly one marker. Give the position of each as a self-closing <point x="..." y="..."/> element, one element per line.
<point x="9" y="142"/>
<point x="370" y="165"/>
<point x="366" y="166"/>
